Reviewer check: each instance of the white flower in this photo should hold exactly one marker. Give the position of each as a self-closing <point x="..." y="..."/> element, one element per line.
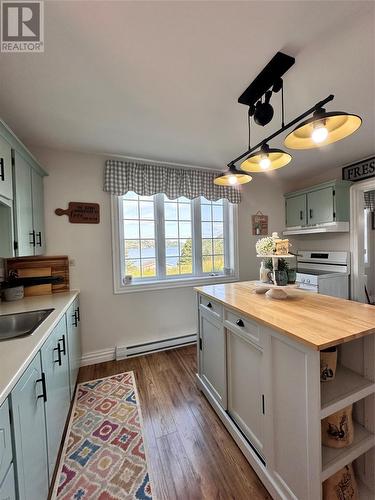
<point x="265" y="246"/>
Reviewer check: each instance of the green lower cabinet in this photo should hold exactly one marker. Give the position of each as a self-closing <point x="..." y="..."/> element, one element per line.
<point x="55" y="366"/>
<point x="29" y="433"/>
<point x="73" y="319"/>
<point x="7" y="488"/>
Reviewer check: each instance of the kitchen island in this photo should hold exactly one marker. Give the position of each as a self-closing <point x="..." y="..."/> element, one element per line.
<point x="259" y="366"/>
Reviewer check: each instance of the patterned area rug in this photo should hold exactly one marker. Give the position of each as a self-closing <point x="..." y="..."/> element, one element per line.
<point x="104" y="455"/>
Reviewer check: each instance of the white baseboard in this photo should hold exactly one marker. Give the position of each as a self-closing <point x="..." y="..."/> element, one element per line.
<point x="94" y="357"/>
<point x="103" y="355"/>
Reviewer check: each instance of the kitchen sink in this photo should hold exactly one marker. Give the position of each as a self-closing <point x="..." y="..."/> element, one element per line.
<point x="21" y="324"/>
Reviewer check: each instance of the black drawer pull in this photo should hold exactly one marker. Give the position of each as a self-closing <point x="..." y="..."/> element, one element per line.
<point x="39" y="236"/>
<point x="32" y="234"/>
<point x="78" y="314"/>
<point x="58" y="349"/>
<point x="209" y="305"/>
<point x="64" y="344"/>
<point x="240" y="323"/>
<point x="75" y="319"/>
<point x="311" y="213"/>
<point x="2" y="171"/>
<point x="300" y="215"/>
<point x="43" y="380"/>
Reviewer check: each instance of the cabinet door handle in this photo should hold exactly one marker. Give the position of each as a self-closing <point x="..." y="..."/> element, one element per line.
<point x="58" y="349"/>
<point x="311" y="213"/>
<point x="64" y="344"/>
<point x="209" y="305"/>
<point x="2" y="170"/>
<point x="39" y="237"/>
<point x="263" y="405"/>
<point x="32" y="234"/>
<point x="300" y="215"/>
<point x="240" y="323"/>
<point x="44" y="388"/>
<point x="75" y="319"/>
<point x="78" y="314"/>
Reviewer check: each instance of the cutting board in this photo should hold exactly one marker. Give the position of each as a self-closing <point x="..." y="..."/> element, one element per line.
<point x="31" y="291"/>
<point x="81" y="213"/>
<point x="57" y="265"/>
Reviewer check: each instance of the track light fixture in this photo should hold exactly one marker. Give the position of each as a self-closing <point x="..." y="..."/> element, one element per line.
<point x="266" y="159"/>
<point x="232" y="177"/>
<point x="320" y="129"/>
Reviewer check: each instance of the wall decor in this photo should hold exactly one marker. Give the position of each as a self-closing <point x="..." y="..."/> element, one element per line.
<point x="259" y="224"/>
<point x="81" y="213"/>
<point x="359" y="171"/>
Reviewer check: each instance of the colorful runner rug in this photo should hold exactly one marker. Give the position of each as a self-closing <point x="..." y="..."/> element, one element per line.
<point x="104" y="454"/>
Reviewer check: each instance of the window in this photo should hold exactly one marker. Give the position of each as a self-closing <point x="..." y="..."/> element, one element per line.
<point x="164" y="242"/>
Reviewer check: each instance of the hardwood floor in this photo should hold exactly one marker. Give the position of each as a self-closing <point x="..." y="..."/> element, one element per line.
<point x="190" y="453"/>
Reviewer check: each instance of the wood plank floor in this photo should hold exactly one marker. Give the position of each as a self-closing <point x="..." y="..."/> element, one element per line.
<point x="190" y="453"/>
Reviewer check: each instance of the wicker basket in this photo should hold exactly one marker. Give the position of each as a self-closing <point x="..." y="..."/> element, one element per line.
<point x="328" y="364"/>
<point x="337" y="429"/>
<point x="341" y="486"/>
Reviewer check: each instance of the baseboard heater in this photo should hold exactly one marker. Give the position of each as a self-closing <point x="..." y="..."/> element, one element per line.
<point x="123" y="352"/>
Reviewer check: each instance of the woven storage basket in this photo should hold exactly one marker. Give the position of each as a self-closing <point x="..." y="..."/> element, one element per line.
<point x="328" y="364"/>
<point x="341" y="486"/>
<point x="337" y="429"/>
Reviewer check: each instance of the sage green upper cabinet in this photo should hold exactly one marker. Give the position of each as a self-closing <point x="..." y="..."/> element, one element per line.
<point x="295" y="210"/>
<point x="29" y="433"/>
<point x="6" y="185"/>
<point x="320" y="206"/>
<point x="326" y="203"/>
<point x="23" y="206"/>
<point x="38" y="211"/>
<point x="29" y="209"/>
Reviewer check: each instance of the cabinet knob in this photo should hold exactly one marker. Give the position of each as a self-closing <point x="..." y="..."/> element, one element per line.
<point x="240" y="323"/>
<point x="209" y="305"/>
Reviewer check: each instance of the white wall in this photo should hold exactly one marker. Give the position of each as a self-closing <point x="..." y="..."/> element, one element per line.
<point x="126" y="319"/>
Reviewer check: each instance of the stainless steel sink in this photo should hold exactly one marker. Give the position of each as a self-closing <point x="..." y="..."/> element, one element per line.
<point x="21" y="324"/>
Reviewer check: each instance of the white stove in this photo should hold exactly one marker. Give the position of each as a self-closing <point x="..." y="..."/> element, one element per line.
<point x="324" y="272"/>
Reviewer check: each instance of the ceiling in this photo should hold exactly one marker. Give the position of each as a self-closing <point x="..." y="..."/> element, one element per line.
<point x="160" y="80"/>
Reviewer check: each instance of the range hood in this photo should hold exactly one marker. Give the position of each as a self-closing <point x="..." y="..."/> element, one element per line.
<point x="329" y="227"/>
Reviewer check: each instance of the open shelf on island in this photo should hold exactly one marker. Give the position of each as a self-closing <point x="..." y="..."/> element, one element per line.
<point x="347" y="388"/>
<point x="334" y="459"/>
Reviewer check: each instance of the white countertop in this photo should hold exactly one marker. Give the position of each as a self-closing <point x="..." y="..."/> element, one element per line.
<point x="16" y="354"/>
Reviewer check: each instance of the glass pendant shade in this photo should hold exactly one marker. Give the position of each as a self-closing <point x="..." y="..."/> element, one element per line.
<point x="322" y="129"/>
<point x="232" y="177"/>
<point x="266" y="159"/>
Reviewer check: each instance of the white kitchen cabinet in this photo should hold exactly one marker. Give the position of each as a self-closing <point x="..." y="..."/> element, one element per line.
<point x="73" y="319"/>
<point x="29" y="209"/>
<point x="213" y="356"/>
<point x="6" y="184"/>
<point x="246" y="399"/>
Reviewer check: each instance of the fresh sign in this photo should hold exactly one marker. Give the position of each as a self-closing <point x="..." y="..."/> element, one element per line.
<point x="360" y="170"/>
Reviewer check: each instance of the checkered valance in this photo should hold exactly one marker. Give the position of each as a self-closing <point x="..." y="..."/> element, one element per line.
<point x="370" y="200"/>
<point x="147" y="179"/>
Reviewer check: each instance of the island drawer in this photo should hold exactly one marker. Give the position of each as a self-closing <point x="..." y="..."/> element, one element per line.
<point x="5" y="440"/>
<point x="245" y="325"/>
<point x="211" y="306"/>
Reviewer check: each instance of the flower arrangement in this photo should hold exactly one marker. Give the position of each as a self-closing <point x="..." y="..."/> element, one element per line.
<point x="265" y="246"/>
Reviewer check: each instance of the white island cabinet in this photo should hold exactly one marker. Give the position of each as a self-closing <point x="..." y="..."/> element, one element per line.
<point x="259" y="366"/>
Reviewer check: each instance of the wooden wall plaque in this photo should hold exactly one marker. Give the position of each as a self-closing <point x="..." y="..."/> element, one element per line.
<point x="81" y="213"/>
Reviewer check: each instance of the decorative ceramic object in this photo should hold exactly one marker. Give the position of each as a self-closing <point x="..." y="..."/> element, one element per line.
<point x="337" y="429"/>
<point x="278" y="277"/>
<point x="341" y="486"/>
<point x="328" y="364"/>
<point x="291" y="276"/>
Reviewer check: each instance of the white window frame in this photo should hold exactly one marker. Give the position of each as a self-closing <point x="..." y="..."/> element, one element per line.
<point x="181" y="280"/>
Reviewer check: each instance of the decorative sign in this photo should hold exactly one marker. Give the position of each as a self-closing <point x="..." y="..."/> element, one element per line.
<point x="81" y="213"/>
<point x="360" y="170"/>
<point x="260" y="224"/>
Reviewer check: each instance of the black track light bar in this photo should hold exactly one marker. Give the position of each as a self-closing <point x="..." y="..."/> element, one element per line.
<point x="267" y="78"/>
<point x="317" y="106"/>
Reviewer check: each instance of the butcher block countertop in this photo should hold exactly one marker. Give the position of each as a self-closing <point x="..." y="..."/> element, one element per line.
<point x="318" y="321"/>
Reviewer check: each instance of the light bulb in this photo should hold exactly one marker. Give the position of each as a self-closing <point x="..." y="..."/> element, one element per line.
<point x="264" y="163"/>
<point x="319" y="134"/>
<point x="232" y="179"/>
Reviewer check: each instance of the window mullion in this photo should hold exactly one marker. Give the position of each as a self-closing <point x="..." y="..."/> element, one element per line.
<point x="197" y="237"/>
<point x="160" y="236"/>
